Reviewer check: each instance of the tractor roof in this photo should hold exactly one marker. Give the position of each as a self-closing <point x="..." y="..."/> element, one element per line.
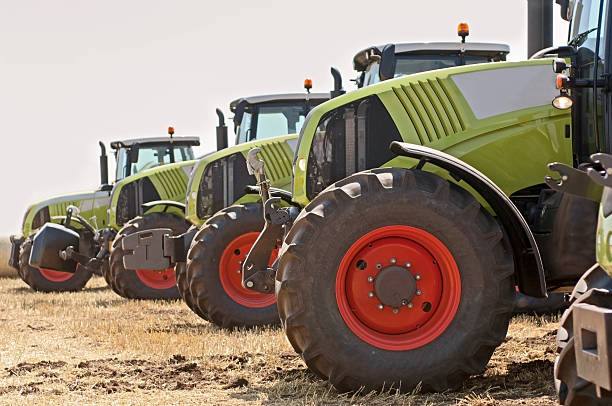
<point x="279" y="98"/>
<point x="406" y="48"/>
<point x="194" y="141"/>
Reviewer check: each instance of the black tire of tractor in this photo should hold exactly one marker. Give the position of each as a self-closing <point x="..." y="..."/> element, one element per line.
<point x="38" y="282"/>
<point x="126" y="283"/>
<point x="204" y="287"/>
<point x="571" y="389"/>
<point x="180" y="272"/>
<point x="327" y="228"/>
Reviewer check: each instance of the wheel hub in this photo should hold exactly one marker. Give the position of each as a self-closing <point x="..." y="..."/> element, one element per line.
<point x="395" y="286"/>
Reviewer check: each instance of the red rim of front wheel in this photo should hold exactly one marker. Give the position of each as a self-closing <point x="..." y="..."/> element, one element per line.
<point x="230" y="273"/>
<point x="56" y="276"/>
<point x="425" y="314"/>
<point x="159" y="280"/>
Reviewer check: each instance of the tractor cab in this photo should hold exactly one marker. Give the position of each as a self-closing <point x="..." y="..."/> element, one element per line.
<point x="584" y="83"/>
<point x="135" y="155"/>
<point x="378" y="63"/>
<point x="268" y="116"/>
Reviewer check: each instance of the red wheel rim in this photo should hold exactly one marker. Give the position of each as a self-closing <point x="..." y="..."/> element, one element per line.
<point x="55" y="276"/>
<point x="230" y="273"/>
<point x="430" y="310"/>
<point x="159" y="280"/>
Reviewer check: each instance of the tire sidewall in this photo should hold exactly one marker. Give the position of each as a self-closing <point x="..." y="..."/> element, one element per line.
<point x="347" y="223"/>
<point x="203" y="268"/>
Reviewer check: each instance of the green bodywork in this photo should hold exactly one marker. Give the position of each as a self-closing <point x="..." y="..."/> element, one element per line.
<point x="278" y="155"/>
<point x="511" y="148"/>
<point x="169" y="182"/>
<point x="92" y="206"/>
<point x="604" y="235"/>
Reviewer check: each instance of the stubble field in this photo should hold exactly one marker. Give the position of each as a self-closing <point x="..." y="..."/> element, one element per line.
<point x="94" y="347"/>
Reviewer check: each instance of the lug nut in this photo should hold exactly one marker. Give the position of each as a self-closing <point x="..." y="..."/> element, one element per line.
<point x="370" y="279"/>
<point x="393" y="260"/>
<point x="395" y="311"/>
<point x="417" y="277"/>
<point x="418" y="292"/>
<point x="238" y="271"/>
<point x="410" y="305"/>
<point x="404" y="302"/>
<point x="371" y="294"/>
<point x="249" y="284"/>
<point x="380" y="307"/>
<point x="378" y="266"/>
<point x="408" y="264"/>
<point x="239" y="262"/>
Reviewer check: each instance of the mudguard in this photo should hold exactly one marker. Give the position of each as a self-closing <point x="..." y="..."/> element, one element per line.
<point x="167" y="203"/>
<point x="528" y="263"/>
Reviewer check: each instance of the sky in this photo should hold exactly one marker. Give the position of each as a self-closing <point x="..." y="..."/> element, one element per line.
<point x="73" y="73"/>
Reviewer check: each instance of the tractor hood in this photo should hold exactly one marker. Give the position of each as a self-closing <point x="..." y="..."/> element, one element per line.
<point x="92" y="206"/>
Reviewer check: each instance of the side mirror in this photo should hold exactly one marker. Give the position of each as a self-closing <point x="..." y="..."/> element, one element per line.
<point x="239" y="113"/>
<point x="133" y="154"/>
<point x="564" y="9"/>
<point x="387" y="63"/>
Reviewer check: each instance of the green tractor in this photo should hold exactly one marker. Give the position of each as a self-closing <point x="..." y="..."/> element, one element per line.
<point x="217" y="181"/>
<point x="132" y="156"/>
<point x="155" y="198"/>
<point x="405" y="275"/>
<point x="209" y="267"/>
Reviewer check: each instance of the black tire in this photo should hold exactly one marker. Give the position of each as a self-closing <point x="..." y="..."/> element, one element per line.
<point x="204" y="287"/>
<point x="366" y="201"/>
<point x="39" y="282"/>
<point x="180" y="271"/>
<point x="571" y="389"/>
<point x="127" y="283"/>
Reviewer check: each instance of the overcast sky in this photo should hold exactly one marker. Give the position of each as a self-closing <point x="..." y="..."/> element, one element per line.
<point x="75" y="72"/>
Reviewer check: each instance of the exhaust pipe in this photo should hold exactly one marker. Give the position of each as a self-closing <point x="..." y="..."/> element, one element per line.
<point x="103" y="165"/>
<point x="539" y="25"/>
<point x="338" y="90"/>
<point x="221" y="131"/>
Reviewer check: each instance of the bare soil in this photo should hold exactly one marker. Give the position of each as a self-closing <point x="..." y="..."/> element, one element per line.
<point x="93" y="347"/>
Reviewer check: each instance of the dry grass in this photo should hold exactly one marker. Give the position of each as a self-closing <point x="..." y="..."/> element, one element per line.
<point x="5" y="250"/>
<point x="95" y="347"/>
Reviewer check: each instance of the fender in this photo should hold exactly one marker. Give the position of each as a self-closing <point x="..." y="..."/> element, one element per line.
<point x="167" y="203"/>
<point x="274" y="192"/>
<point x="527" y="261"/>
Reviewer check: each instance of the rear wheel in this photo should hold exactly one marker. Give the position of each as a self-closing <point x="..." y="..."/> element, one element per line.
<point x="47" y="280"/>
<point x="144" y="283"/>
<point x="214" y="264"/>
<point x="393" y="277"/>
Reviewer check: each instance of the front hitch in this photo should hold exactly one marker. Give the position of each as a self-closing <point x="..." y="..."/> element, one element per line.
<point x="257" y="275"/>
<point x="582" y="182"/>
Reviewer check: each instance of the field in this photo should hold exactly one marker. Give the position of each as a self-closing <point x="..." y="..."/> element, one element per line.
<point x="95" y="347"/>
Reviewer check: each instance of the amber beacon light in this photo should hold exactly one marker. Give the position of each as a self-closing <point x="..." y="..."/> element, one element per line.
<point x="463" y="30"/>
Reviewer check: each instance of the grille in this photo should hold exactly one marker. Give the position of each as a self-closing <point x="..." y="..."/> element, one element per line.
<point x="437" y="118"/>
<point x="223" y="183"/>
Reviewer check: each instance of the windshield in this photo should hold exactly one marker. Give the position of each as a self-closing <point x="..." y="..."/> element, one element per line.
<point x="416" y="63"/>
<point x="583" y="25"/>
<point x="273" y="120"/>
<point x="150" y="156"/>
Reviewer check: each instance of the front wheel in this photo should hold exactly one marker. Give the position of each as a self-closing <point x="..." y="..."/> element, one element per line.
<point x="394" y="277"/>
<point x="213" y="282"/>
<point x="143" y="283"/>
<point x="48" y="280"/>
